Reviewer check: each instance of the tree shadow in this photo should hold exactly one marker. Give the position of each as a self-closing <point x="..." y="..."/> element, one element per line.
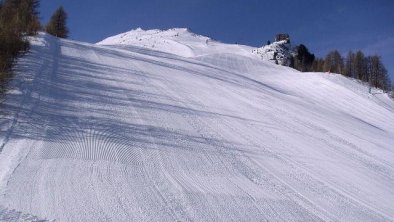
<point x="81" y="112"/>
<point x="14" y="215"/>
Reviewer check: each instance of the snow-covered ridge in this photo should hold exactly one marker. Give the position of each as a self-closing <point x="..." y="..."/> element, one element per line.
<point x="141" y="35"/>
<point x="183" y="42"/>
<point x="178" y="41"/>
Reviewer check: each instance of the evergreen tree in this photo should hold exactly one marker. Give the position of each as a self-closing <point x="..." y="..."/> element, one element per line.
<point x="292" y="62"/>
<point x="349" y="65"/>
<point x="392" y="90"/>
<point x="18" y="18"/>
<point x="57" y="24"/>
<point x="12" y="30"/>
<point x="360" y="66"/>
<point x="28" y="16"/>
<point x="304" y="59"/>
<point x="318" y="65"/>
<point x="333" y="62"/>
<point x="380" y="78"/>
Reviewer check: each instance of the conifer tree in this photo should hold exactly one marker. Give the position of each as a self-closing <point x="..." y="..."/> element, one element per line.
<point x="377" y="73"/>
<point x="349" y="65"/>
<point x="57" y="24"/>
<point x="304" y="59"/>
<point x="318" y="65"/>
<point x="333" y="62"/>
<point x="28" y="16"/>
<point x="392" y="90"/>
<point x="360" y="66"/>
<point x="18" y="18"/>
<point x="13" y="28"/>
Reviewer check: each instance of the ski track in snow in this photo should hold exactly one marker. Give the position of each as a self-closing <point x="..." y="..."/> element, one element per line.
<point x="121" y="133"/>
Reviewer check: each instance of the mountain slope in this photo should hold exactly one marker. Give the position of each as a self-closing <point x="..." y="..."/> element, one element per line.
<point x="119" y="133"/>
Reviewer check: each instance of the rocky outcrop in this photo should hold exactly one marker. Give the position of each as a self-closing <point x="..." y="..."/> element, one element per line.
<point x="279" y="52"/>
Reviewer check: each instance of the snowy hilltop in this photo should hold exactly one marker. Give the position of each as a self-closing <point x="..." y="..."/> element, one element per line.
<point x="185" y="43"/>
<point x="179" y="41"/>
<point x="167" y="125"/>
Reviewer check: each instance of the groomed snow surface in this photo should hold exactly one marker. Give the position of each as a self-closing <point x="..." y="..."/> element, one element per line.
<point x="124" y="132"/>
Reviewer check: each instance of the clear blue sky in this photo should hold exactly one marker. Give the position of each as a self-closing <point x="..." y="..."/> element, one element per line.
<point x="321" y="25"/>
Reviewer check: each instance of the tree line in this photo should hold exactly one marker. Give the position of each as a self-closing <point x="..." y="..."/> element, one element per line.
<point x="357" y="65"/>
<point x="18" y="20"/>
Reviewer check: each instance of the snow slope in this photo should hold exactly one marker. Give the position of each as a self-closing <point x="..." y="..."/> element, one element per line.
<point x="127" y="133"/>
